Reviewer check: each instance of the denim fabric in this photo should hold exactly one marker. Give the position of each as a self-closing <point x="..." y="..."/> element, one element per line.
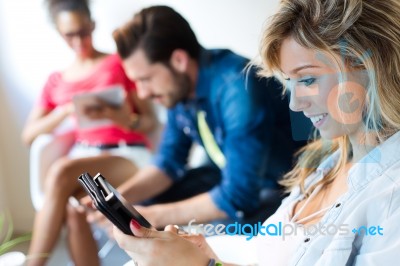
<point x="249" y="119"/>
<point x="196" y="181"/>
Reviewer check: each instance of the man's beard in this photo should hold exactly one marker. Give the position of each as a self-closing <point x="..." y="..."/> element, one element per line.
<point x="182" y="86"/>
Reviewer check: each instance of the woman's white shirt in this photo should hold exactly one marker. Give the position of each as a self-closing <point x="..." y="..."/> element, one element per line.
<point x="371" y="204"/>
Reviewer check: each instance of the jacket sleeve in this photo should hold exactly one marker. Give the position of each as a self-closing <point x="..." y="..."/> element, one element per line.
<point x="171" y="157"/>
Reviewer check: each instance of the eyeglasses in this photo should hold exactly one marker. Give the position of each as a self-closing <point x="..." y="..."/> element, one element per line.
<point x="81" y="34"/>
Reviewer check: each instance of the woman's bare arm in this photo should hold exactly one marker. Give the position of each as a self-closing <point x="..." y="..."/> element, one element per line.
<point x="41" y="121"/>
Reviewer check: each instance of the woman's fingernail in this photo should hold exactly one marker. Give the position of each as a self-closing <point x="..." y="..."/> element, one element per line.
<point x="135" y="224"/>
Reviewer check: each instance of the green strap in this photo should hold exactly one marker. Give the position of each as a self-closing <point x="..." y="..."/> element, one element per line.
<point x="209" y="142"/>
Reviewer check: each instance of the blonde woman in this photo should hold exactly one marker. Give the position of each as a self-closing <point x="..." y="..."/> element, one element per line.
<point x="340" y="62"/>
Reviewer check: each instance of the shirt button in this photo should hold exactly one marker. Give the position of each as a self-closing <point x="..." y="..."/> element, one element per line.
<point x="338" y="205"/>
<point x="307" y="240"/>
<point x="180" y="172"/>
<point x="186" y="130"/>
<point x="239" y="214"/>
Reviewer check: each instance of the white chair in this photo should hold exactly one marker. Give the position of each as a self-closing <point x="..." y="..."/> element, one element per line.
<point x="45" y="150"/>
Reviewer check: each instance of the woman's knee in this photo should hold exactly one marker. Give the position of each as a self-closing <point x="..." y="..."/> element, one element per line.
<point x="59" y="175"/>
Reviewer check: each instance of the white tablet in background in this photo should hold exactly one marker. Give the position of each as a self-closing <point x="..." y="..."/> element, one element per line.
<point x="114" y="96"/>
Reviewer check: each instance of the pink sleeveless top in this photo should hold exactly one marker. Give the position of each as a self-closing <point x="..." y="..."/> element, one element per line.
<point x="108" y="73"/>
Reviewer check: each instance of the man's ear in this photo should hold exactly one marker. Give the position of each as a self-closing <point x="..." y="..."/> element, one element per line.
<point x="179" y="60"/>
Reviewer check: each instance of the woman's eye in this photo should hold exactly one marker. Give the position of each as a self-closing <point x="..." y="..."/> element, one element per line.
<point x="307" y="81"/>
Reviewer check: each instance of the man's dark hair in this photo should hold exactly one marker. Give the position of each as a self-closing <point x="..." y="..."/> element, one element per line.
<point x="158" y="30"/>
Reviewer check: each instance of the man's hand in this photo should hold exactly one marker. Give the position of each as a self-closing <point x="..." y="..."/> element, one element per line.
<point x="94" y="216"/>
<point x="158" y="215"/>
<point x="201" y="208"/>
<point x="153" y="214"/>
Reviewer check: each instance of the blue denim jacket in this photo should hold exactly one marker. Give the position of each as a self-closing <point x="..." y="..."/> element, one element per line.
<point x="250" y="123"/>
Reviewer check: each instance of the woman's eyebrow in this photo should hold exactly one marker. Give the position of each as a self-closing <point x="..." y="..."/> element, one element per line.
<point x="297" y="69"/>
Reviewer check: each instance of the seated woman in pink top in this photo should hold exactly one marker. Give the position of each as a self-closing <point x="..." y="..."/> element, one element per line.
<point x="109" y="138"/>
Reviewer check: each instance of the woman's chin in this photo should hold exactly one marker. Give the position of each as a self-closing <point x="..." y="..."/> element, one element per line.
<point x="330" y="135"/>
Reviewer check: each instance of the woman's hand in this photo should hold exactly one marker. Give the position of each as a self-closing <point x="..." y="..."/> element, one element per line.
<point x="150" y="247"/>
<point x="98" y="109"/>
<point x="201" y="243"/>
<point x="42" y="121"/>
<point x="68" y="108"/>
<point x="146" y="121"/>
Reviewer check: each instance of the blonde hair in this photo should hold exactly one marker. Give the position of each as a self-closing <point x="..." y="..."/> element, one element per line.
<point x="366" y="34"/>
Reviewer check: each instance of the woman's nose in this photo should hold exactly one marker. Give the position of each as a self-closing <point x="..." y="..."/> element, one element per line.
<point x="298" y="102"/>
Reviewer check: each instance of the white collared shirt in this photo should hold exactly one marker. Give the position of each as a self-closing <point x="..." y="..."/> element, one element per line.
<point x="372" y="203"/>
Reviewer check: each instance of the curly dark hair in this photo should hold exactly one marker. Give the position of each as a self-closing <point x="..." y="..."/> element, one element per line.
<point x="57" y="6"/>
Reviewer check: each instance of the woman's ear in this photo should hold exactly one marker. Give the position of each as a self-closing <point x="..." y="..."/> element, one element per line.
<point x="179" y="60"/>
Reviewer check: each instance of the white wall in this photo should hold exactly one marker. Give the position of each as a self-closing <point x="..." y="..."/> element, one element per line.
<point x="3" y="194"/>
<point x="14" y="189"/>
<point x="30" y="49"/>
